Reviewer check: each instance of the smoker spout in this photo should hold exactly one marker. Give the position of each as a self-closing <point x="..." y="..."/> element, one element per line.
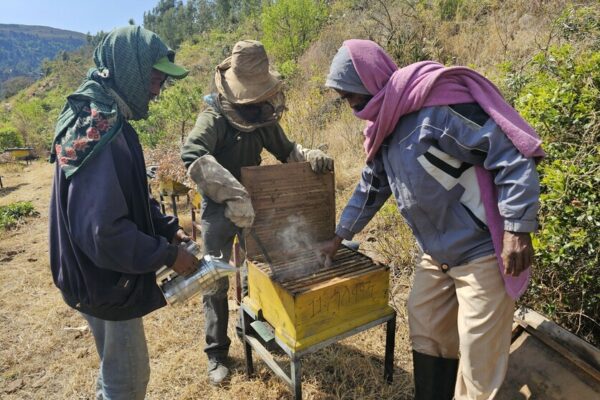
<point x="209" y="270"/>
<point x="219" y="264"/>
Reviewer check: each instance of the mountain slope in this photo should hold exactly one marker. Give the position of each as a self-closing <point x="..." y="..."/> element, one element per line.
<point x="24" y="47"/>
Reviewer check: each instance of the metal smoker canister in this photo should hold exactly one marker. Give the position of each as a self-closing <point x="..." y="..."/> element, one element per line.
<point x="178" y="289"/>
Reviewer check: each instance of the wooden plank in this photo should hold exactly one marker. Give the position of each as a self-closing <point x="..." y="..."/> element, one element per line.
<point x="537" y="371"/>
<point x="20" y="153"/>
<point x="267" y="357"/>
<point x="566" y="353"/>
<point x="576" y="347"/>
<point x="295" y="207"/>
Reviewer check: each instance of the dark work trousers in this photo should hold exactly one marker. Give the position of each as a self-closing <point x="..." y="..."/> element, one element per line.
<point x="218" y="233"/>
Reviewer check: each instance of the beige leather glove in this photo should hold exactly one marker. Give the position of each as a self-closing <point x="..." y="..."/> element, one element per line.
<point x="319" y="161"/>
<point x="240" y="211"/>
<point x="218" y="184"/>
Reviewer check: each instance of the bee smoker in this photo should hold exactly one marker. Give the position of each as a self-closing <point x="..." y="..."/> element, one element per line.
<point x="178" y="289"/>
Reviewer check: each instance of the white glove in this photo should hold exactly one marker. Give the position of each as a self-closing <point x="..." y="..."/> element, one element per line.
<point x="214" y="181"/>
<point x="240" y="212"/>
<point x="319" y="161"/>
<point x="218" y="184"/>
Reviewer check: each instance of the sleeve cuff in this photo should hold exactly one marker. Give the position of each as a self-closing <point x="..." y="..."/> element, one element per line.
<point x="173" y="229"/>
<point x="344" y="233"/>
<point x="171" y="255"/>
<point x="520" y="226"/>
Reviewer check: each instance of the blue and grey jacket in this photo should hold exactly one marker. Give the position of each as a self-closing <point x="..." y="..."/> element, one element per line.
<point x="427" y="163"/>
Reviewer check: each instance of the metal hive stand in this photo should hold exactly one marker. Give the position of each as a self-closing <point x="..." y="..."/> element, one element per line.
<point x="294" y="379"/>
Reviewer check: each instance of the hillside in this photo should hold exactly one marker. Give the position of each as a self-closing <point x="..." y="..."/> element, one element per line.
<point x="544" y="56"/>
<point x="24" y="47"/>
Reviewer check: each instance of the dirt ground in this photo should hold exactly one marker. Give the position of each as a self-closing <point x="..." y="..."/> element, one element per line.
<point x="47" y="351"/>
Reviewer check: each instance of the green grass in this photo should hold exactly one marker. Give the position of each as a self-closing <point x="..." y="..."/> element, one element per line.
<point x="12" y="214"/>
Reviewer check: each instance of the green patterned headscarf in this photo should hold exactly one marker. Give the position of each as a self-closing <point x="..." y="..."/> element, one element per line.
<point x="117" y="89"/>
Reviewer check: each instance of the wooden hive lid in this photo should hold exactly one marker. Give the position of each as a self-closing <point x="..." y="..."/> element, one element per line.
<point x="294" y="207"/>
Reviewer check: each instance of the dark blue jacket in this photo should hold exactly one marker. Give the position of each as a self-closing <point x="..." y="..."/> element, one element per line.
<point x="107" y="237"/>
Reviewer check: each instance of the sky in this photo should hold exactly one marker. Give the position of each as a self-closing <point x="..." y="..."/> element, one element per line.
<point x="75" y="15"/>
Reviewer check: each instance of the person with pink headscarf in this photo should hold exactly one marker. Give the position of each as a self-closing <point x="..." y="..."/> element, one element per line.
<point x="460" y="163"/>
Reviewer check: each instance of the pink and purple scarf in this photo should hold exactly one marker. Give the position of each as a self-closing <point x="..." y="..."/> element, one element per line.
<point x="397" y="92"/>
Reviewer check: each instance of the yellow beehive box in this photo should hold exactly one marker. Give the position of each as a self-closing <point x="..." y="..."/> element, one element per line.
<point x="305" y="303"/>
<point x="196" y="199"/>
<point x="311" y="313"/>
<point x="170" y="187"/>
<point x="20" y="153"/>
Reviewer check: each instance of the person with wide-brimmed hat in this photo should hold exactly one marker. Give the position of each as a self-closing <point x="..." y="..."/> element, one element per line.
<point x="242" y="119"/>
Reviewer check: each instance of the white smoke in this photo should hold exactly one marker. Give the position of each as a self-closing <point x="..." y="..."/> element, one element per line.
<point x="295" y="238"/>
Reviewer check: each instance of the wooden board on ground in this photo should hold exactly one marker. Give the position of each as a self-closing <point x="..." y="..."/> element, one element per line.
<point x="546" y="362"/>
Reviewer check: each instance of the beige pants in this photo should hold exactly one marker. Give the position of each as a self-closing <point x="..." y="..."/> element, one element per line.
<point x="464" y="311"/>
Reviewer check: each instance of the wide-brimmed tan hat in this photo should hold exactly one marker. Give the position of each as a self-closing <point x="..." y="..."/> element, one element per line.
<point x="244" y="77"/>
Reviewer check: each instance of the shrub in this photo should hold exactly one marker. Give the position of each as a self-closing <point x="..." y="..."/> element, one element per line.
<point x="9" y="137"/>
<point x="172" y="116"/>
<point x="34" y="119"/>
<point x="290" y="25"/>
<point x="12" y="214"/>
<point x="559" y="95"/>
<point x="448" y="8"/>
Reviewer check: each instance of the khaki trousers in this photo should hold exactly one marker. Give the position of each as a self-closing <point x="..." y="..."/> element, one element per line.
<point x="464" y="311"/>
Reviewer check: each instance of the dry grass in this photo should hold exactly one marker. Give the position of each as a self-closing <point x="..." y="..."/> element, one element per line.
<point x="47" y="351"/>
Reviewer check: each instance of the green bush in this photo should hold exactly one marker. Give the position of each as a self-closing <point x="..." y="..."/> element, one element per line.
<point x="290" y="25"/>
<point x="448" y="8"/>
<point x="9" y="137"/>
<point x="559" y="94"/>
<point x="172" y="116"/>
<point x="34" y="118"/>
<point x="12" y="214"/>
<point x="288" y="69"/>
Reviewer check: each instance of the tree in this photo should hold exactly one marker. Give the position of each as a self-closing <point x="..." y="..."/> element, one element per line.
<point x="175" y="21"/>
<point x="9" y="137"/>
<point x="171" y="118"/>
<point x="290" y="25"/>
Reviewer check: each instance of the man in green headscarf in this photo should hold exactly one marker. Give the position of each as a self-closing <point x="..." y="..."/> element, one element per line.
<point x="107" y="237"/>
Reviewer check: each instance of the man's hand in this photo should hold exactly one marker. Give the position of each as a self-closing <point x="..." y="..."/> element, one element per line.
<point x="517" y="252"/>
<point x="185" y="263"/>
<point x="326" y="251"/>
<point x="180" y="236"/>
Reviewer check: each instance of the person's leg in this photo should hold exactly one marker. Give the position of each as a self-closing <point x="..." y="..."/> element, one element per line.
<point x="432" y="311"/>
<point x="485" y="315"/>
<point x="218" y="233"/>
<point x="216" y="315"/>
<point x="124" y="365"/>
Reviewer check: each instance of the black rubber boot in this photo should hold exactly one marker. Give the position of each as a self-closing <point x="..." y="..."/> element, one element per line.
<point x="435" y="377"/>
